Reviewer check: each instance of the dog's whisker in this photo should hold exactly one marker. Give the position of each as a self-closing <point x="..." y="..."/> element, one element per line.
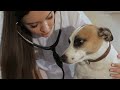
<point x="81" y="57"/>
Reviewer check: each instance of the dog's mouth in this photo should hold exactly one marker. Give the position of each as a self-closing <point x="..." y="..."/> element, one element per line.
<point x="80" y="59"/>
<point x="73" y="61"/>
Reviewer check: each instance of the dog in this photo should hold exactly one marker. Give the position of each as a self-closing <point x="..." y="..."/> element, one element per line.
<point x="91" y="51"/>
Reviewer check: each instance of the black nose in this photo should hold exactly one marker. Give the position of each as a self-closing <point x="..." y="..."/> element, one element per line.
<point x="63" y="58"/>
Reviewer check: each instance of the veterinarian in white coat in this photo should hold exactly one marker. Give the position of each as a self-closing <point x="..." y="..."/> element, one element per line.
<point x="67" y="21"/>
<point x="70" y="21"/>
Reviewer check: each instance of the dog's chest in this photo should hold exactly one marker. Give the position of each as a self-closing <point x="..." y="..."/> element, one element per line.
<point x="97" y="70"/>
<point x="92" y="72"/>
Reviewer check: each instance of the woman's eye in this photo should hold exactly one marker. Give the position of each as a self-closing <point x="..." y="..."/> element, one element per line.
<point x="33" y="26"/>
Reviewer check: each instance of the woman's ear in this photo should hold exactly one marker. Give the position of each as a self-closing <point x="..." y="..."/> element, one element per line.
<point x="105" y="33"/>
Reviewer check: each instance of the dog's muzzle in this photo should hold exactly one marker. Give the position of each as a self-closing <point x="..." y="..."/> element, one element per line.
<point x="63" y="58"/>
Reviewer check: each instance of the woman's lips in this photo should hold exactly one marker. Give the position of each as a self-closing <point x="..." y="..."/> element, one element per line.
<point x="45" y="33"/>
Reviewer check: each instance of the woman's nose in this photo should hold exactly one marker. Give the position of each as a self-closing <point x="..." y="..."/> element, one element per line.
<point x="45" y="27"/>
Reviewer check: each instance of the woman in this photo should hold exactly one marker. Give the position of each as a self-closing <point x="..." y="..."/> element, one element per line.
<point x="20" y="59"/>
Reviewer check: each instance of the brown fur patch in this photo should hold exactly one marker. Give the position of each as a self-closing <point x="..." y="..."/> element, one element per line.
<point x="90" y="33"/>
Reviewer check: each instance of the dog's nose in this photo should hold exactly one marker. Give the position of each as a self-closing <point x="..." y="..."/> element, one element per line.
<point x="63" y="58"/>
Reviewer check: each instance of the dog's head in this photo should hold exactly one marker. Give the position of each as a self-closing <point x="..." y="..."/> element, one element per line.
<point x="84" y="41"/>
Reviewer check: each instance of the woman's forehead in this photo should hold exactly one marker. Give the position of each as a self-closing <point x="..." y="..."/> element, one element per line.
<point x="34" y="16"/>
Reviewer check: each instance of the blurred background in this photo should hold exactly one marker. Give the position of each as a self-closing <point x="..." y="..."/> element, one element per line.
<point x="109" y="19"/>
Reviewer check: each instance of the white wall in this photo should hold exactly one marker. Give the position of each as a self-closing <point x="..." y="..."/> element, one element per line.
<point x="1" y="23"/>
<point x="112" y="21"/>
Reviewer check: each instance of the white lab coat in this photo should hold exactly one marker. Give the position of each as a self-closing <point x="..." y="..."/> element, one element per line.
<point x="45" y="60"/>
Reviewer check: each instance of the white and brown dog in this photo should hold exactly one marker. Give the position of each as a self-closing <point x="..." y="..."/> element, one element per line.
<point x="90" y="49"/>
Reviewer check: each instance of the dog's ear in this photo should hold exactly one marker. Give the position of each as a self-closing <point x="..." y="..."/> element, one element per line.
<point x="105" y="33"/>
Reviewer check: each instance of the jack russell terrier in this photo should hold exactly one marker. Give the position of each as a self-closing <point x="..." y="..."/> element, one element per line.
<point x="91" y="52"/>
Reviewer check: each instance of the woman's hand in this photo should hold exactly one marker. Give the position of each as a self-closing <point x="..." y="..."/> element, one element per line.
<point x="115" y="68"/>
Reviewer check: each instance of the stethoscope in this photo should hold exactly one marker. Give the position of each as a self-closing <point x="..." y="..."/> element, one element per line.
<point x="52" y="47"/>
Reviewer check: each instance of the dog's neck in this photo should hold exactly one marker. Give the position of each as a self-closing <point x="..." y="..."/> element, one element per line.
<point x="100" y="54"/>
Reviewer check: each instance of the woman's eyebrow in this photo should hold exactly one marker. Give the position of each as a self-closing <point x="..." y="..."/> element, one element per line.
<point x="32" y="23"/>
<point x="48" y="14"/>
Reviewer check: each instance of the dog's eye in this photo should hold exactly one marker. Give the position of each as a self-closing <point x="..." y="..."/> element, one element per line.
<point x="78" y="42"/>
<point x="69" y="41"/>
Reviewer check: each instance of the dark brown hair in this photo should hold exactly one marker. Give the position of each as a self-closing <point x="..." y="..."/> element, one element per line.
<point x="18" y="59"/>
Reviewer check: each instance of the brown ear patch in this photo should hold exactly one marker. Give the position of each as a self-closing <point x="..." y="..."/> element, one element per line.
<point x="105" y="33"/>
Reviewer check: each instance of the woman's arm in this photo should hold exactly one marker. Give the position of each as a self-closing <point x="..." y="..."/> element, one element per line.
<point x="115" y="68"/>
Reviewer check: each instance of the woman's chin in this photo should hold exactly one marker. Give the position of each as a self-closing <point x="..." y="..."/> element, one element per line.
<point x="45" y="35"/>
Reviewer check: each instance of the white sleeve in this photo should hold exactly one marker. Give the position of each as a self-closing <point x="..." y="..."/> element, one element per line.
<point x="78" y="18"/>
